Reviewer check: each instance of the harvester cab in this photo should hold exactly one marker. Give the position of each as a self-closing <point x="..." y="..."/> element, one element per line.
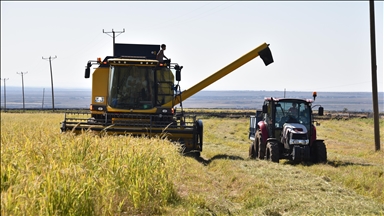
<point x="133" y="93"/>
<point x="285" y="129"/>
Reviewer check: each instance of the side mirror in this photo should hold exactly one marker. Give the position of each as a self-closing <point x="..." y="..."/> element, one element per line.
<point x="178" y="75"/>
<point x="321" y="111"/>
<point x="178" y="72"/>
<point x="88" y="70"/>
<point x="265" y="109"/>
<point x="266" y="56"/>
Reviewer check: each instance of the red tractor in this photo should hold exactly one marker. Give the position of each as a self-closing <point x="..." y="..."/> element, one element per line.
<point x="285" y="129"/>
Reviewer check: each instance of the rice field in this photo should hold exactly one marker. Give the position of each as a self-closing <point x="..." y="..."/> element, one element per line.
<point x="45" y="172"/>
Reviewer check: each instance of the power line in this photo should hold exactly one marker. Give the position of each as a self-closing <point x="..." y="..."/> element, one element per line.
<point x="5" y="95"/>
<point x="22" y="86"/>
<point x="50" y="66"/>
<point x="113" y="36"/>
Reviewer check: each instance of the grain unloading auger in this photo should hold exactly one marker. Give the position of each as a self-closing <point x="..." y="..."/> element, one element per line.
<point x="133" y="93"/>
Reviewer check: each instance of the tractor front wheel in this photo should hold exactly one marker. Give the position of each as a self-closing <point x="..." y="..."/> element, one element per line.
<point x="319" y="152"/>
<point x="273" y="152"/>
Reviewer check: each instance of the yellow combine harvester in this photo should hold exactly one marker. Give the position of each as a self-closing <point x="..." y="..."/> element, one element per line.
<point x="133" y="93"/>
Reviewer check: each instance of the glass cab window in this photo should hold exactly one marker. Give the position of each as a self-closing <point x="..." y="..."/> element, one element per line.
<point x="292" y="112"/>
<point x="165" y="81"/>
<point x="131" y="87"/>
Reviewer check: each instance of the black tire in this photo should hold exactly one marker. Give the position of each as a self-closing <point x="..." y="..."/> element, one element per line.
<point x="199" y="129"/>
<point x="319" y="153"/>
<point x="62" y="128"/>
<point x="306" y="153"/>
<point x="296" y="154"/>
<point x="273" y="153"/>
<point x="252" y="151"/>
<point x="260" y="146"/>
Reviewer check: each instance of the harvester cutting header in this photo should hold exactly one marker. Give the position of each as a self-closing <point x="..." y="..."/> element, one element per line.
<point x="133" y="93"/>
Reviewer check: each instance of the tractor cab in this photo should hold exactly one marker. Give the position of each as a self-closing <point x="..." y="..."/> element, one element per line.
<point x="278" y="112"/>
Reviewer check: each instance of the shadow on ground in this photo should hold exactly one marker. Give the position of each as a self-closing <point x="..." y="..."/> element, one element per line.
<point x="206" y="162"/>
<point x="336" y="163"/>
<point x="333" y="163"/>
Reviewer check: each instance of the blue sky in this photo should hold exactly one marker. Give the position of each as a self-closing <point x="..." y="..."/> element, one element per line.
<point x="317" y="46"/>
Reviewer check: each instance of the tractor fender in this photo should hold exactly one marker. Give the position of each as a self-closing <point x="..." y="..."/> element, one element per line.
<point x="264" y="131"/>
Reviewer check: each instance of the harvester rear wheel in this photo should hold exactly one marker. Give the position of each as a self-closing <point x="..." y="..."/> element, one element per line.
<point x="260" y="146"/>
<point x="273" y="152"/>
<point x="319" y="152"/>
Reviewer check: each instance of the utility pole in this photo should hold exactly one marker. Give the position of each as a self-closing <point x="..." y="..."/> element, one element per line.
<point x="42" y="104"/>
<point x="374" y="76"/>
<point x="113" y="36"/>
<point x="50" y="66"/>
<point x="5" y="95"/>
<point x="22" y="86"/>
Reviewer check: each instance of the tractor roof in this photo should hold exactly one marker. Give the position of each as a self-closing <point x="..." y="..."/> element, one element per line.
<point x="145" y="53"/>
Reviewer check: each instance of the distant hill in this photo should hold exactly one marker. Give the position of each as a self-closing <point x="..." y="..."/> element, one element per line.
<point x="81" y="98"/>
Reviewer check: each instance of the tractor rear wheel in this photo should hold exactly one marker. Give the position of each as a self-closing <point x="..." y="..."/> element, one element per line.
<point x="273" y="152"/>
<point x="252" y="151"/>
<point x="259" y="146"/>
<point x="319" y="152"/>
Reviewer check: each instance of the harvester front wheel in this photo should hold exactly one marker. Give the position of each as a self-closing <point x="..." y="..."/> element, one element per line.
<point x="319" y="152"/>
<point x="62" y="128"/>
<point x="273" y="152"/>
<point x="199" y="129"/>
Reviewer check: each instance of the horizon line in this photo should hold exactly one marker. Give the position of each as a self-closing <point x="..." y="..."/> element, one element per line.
<point x="90" y="89"/>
